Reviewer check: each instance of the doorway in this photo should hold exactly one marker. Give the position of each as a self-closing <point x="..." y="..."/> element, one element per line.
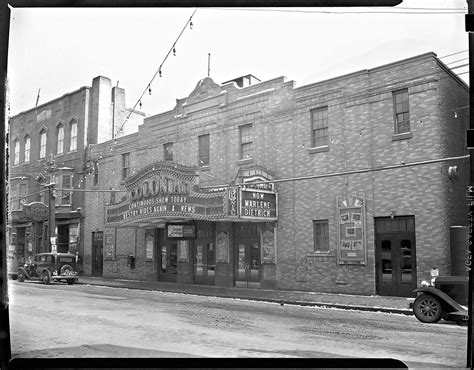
<point x="97" y="253"/>
<point x="248" y="269"/>
<point x="63" y="238"/>
<point x="168" y="261"/>
<point x="205" y="255"/>
<point x="395" y="256"/>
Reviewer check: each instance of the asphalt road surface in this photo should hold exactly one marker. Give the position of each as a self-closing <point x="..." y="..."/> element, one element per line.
<point x="80" y="321"/>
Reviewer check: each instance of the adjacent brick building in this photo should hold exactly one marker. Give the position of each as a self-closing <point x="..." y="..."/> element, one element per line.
<point x="59" y="132"/>
<point x="348" y="185"/>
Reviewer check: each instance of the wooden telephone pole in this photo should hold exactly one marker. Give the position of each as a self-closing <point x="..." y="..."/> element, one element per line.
<point x="50" y="167"/>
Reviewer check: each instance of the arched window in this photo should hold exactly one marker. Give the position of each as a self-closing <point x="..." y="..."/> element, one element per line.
<point x="16" y="152"/>
<point x="27" y="149"/>
<point x="42" y="144"/>
<point x="60" y="139"/>
<point x="73" y="145"/>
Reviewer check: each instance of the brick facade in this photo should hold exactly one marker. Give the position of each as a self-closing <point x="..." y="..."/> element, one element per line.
<point x="95" y="112"/>
<point x="361" y="137"/>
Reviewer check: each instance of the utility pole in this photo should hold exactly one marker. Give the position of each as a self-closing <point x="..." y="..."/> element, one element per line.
<point x="470" y="30"/>
<point x="50" y="167"/>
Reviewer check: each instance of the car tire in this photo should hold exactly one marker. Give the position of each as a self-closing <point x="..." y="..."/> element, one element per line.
<point x="427" y="308"/>
<point x="46" y="277"/>
<point x="21" y="276"/>
<point x="64" y="268"/>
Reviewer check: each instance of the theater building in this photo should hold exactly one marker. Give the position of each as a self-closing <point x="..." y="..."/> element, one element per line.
<point x="48" y="144"/>
<point x="349" y="185"/>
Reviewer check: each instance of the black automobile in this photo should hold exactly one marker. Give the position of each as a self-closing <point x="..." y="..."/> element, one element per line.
<point x="444" y="297"/>
<point x="47" y="267"/>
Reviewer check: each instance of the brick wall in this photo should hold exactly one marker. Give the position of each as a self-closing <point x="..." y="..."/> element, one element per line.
<point x="361" y="136"/>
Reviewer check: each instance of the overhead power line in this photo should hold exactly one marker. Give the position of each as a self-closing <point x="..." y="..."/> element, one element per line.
<point x="458" y="52"/>
<point x="364" y="170"/>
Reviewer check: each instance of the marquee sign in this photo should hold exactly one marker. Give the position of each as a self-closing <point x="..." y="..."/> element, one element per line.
<point x="166" y="191"/>
<point x="258" y="204"/>
<point x="163" y="190"/>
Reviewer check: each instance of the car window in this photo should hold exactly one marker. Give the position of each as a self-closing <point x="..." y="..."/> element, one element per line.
<point x="43" y="258"/>
<point x="65" y="259"/>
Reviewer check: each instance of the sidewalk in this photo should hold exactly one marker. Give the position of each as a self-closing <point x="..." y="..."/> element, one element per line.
<point x="342" y="301"/>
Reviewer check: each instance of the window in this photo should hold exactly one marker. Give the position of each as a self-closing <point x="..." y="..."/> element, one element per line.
<point x="16" y="152"/>
<point x="321" y="235"/>
<point x="204" y="150"/>
<point x="245" y="141"/>
<point x="22" y="195"/>
<point x="401" y="110"/>
<point x="66" y="195"/>
<point x="43" y="144"/>
<point x="60" y="139"/>
<point x="27" y="149"/>
<point x="319" y="127"/>
<point x="125" y="165"/>
<point x="73" y="145"/>
<point x="168" y="151"/>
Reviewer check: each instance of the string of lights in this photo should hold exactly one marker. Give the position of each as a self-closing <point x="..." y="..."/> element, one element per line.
<point x="158" y="72"/>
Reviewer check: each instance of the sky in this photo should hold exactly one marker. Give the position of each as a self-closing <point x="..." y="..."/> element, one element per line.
<point x="56" y="51"/>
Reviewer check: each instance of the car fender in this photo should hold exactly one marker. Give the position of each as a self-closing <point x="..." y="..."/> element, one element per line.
<point x="25" y="272"/>
<point x="441" y="295"/>
<point x="47" y="270"/>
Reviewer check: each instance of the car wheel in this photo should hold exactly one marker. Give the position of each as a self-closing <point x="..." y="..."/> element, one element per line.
<point x="427" y="308"/>
<point x="21" y="276"/>
<point x="66" y="268"/>
<point x="46" y="277"/>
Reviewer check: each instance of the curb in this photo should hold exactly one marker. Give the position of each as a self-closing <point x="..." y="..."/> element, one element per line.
<point x="282" y="302"/>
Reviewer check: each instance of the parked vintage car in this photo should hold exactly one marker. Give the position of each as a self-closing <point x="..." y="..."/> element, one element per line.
<point x="48" y="267"/>
<point x="444" y="297"/>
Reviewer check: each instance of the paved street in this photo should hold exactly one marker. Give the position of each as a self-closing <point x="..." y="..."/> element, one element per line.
<point x="94" y="321"/>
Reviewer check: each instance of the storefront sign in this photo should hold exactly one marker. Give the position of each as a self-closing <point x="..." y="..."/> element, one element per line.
<point x="109" y="247"/>
<point x="35" y="211"/>
<point x="73" y="233"/>
<point x="268" y="247"/>
<point x="223" y="247"/>
<point x="193" y="206"/>
<point x="181" y="231"/>
<point x="232" y="201"/>
<point x="258" y="204"/>
<point x="351" y="222"/>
